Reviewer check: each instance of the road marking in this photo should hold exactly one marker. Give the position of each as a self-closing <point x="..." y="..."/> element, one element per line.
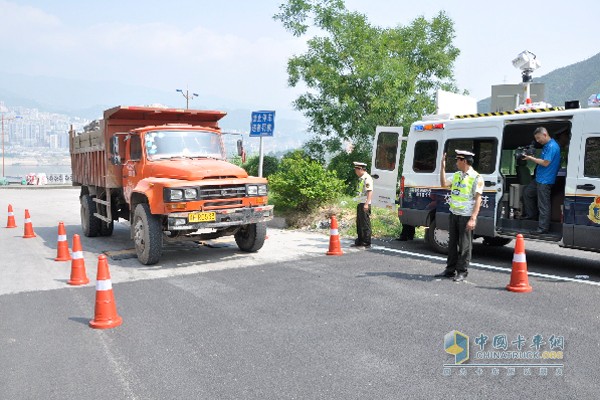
<point x="486" y="266"/>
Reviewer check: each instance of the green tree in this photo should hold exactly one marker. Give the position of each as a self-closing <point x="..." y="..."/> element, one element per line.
<point x="359" y="76"/>
<point x="303" y="184"/>
<point x="270" y="165"/>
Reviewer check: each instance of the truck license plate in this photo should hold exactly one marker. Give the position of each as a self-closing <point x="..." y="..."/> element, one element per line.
<point x="202" y="217"/>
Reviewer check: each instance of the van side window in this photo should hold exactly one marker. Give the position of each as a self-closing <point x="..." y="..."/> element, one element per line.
<point x="484" y="149"/>
<point x="424" y="159"/>
<point x="591" y="166"/>
<point x="135" y="148"/>
<point x="385" y="156"/>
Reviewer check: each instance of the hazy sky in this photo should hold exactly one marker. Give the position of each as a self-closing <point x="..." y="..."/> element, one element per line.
<point x="235" y="50"/>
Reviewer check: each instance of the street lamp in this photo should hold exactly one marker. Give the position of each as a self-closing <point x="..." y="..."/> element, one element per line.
<point x="187" y="96"/>
<point x="7" y="119"/>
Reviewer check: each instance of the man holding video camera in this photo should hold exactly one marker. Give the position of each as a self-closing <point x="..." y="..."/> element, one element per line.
<point x="537" y="194"/>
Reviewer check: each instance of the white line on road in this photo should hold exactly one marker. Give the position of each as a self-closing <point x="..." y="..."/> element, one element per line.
<point x="486" y="266"/>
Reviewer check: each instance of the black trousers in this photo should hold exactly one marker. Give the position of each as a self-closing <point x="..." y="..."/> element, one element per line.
<point x="460" y="244"/>
<point x="363" y="224"/>
<point x="537" y="201"/>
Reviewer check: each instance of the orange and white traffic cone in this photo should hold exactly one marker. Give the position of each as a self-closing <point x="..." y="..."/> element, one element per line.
<point x="78" y="275"/>
<point x="62" y="247"/>
<point x="519" y="282"/>
<point x="28" y="230"/>
<point x="105" y="315"/>
<point x="335" y="249"/>
<point x="10" y="223"/>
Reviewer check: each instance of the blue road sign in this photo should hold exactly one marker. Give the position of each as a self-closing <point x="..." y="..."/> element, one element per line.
<point x="262" y="123"/>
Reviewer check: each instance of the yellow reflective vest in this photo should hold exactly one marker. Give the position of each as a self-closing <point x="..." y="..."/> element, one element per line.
<point x="462" y="199"/>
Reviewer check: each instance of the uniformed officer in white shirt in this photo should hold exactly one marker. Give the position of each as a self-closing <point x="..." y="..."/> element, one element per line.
<point x="363" y="209"/>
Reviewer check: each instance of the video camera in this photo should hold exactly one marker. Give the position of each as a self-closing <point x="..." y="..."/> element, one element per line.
<point x="523" y="151"/>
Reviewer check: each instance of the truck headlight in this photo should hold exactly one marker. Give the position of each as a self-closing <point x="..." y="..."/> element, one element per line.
<point x="176" y="195"/>
<point x="262" y="190"/>
<point x="251" y="190"/>
<point x="190" y="194"/>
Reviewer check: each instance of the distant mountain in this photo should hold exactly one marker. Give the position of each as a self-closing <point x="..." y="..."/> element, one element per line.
<point x="574" y="82"/>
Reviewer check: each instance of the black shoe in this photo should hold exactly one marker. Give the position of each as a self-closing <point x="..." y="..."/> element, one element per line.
<point x="446" y="274"/>
<point x="461" y="276"/>
<point x="357" y="245"/>
<point x="404" y="238"/>
<point x="541" y="231"/>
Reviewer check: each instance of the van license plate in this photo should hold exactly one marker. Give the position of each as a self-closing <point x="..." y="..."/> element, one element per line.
<point x="202" y="217"/>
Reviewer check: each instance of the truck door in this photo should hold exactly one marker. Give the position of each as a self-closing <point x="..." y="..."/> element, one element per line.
<point x="584" y="212"/>
<point x="384" y="165"/>
<point x="133" y="165"/>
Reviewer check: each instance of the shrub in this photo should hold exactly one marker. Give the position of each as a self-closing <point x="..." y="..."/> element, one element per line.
<point x="303" y="184"/>
<point x="270" y="165"/>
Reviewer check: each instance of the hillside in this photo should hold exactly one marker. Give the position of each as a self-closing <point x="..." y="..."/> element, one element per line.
<point x="574" y="82"/>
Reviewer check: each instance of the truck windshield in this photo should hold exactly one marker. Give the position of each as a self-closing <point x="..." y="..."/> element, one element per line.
<point x="181" y="143"/>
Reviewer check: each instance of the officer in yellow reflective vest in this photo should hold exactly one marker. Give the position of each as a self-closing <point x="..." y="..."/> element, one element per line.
<point x="363" y="209"/>
<point x="465" y="201"/>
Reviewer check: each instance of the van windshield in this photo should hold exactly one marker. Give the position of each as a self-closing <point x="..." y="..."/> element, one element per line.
<point x="183" y="143"/>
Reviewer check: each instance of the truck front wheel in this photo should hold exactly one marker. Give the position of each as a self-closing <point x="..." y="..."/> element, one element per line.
<point x="437" y="238"/>
<point x="147" y="235"/>
<point x="89" y="223"/>
<point x="251" y="237"/>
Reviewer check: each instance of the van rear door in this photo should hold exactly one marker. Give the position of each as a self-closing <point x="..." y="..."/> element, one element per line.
<point x="384" y="165"/>
<point x="584" y="212"/>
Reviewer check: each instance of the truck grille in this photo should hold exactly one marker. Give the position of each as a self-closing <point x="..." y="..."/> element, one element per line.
<point x="221" y="192"/>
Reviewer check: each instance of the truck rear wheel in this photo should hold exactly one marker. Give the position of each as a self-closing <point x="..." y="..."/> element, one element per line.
<point x="89" y="224"/>
<point x="251" y="237"/>
<point x="437" y="238"/>
<point x="147" y="235"/>
<point x="106" y="228"/>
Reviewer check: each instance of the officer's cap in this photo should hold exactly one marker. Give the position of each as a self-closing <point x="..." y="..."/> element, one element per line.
<point x="360" y="165"/>
<point x="464" y="154"/>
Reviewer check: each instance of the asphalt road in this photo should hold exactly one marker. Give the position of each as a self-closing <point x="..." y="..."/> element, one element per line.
<point x="209" y="322"/>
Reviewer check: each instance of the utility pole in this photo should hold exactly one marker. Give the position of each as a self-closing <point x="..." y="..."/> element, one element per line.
<point x="187" y="96"/>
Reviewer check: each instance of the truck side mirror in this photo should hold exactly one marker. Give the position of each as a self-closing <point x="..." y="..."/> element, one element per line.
<point x="115" y="158"/>
<point x="240" y="147"/>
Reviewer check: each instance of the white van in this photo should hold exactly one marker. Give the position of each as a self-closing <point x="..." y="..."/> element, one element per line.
<point x="495" y="138"/>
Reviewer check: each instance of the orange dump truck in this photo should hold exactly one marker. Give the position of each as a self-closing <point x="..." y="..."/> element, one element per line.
<point x="165" y="171"/>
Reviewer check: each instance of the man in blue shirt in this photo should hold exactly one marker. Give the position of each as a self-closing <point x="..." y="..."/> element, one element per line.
<point x="536" y="196"/>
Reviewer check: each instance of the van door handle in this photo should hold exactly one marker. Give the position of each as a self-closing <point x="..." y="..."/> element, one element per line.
<point x="375" y="176"/>
<point x="587" y="186"/>
<point x="489" y="183"/>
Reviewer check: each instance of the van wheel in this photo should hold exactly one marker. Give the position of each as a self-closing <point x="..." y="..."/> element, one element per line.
<point x="436" y="238"/>
<point x="496" y="241"/>
<point x="147" y="235"/>
<point x="251" y="237"/>
<point x="89" y="224"/>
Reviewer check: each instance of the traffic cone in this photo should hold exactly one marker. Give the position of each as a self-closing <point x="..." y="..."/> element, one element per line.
<point x="335" y="249"/>
<point x="62" y="248"/>
<point x="78" y="275"/>
<point x="10" y="223"/>
<point x="105" y="315"/>
<point x="28" y="231"/>
<point x="519" y="282"/>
